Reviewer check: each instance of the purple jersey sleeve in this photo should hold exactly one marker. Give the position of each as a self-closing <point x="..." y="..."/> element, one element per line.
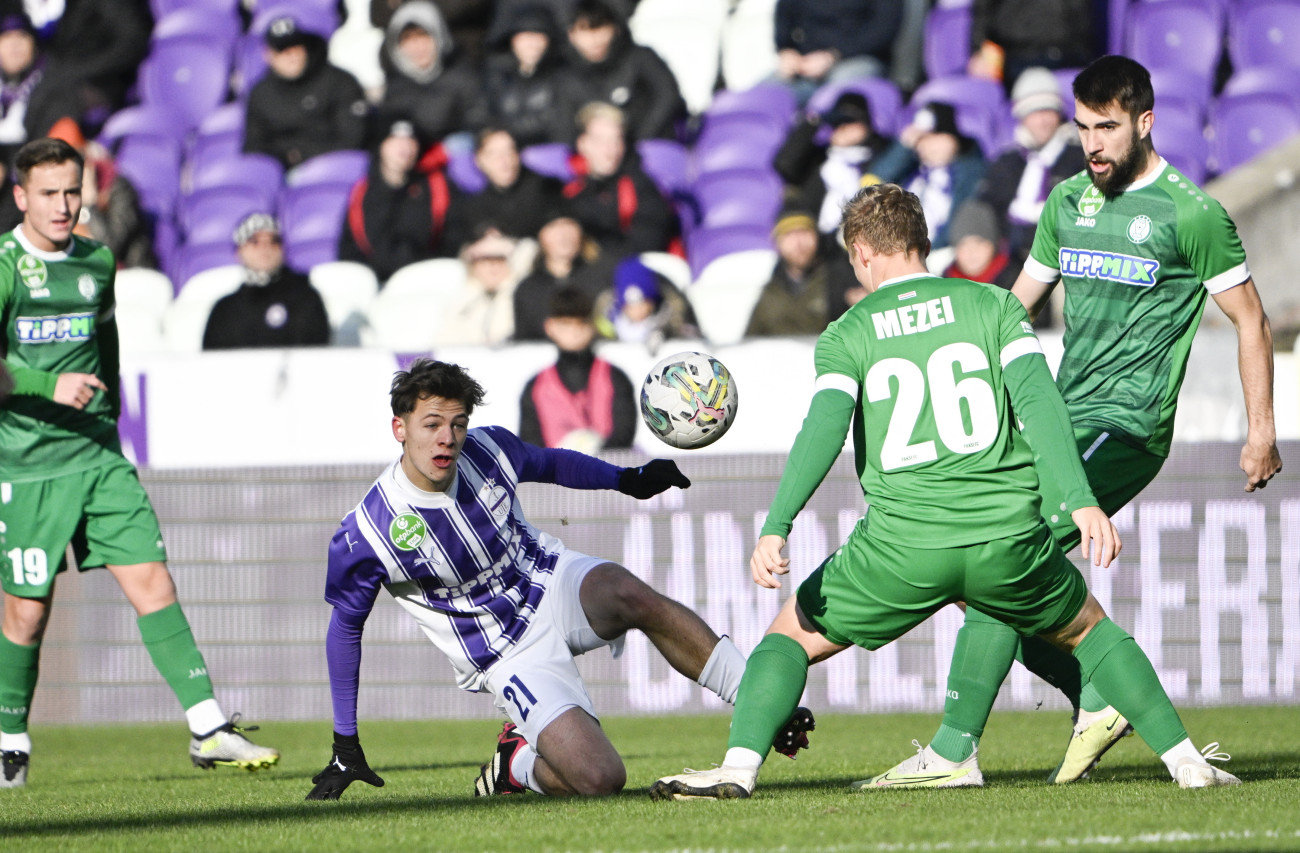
<point x="355" y="573"/>
<point x="567" y="468"/>
<point x="343" y="654"/>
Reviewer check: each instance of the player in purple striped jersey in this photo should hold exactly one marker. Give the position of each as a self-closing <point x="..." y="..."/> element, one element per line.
<point x="443" y="531"/>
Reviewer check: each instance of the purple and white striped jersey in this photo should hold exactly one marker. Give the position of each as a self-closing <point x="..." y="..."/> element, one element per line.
<point x="465" y="563"/>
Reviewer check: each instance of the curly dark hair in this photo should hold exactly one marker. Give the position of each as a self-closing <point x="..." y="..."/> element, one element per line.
<point x="430" y="378"/>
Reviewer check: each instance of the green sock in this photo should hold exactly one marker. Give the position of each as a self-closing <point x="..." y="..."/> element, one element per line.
<point x="981" y="659"/>
<point x="19" y="666"/>
<point x="1058" y="668"/>
<point x="170" y="642"/>
<point x="1112" y="659"/>
<point x="774" y="679"/>
<point x="1090" y="699"/>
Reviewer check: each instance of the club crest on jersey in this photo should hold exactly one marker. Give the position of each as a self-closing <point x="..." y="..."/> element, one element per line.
<point x="1139" y="229"/>
<point x="1090" y="203"/>
<point x="496" y="499"/>
<point x="48" y="330"/>
<point x="407" y="531"/>
<point x="31" y="270"/>
<point x="86" y="286"/>
<point x="1109" y="266"/>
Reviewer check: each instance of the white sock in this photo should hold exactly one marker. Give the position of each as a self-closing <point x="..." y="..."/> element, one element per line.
<point x="20" y="742"/>
<point x="723" y="670"/>
<point x="742" y="759"/>
<point x="1180" y="752"/>
<point x="521" y="767"/>
<point x="1087" y="718"/>
<point x="205" y="717"/>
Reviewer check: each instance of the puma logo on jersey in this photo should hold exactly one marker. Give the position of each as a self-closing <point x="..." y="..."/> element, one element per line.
<point x="1109" y="266"/>
<point x="913" y="319"/>
<point x="64" y="327"/>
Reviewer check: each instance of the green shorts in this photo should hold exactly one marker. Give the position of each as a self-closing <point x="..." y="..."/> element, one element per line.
<point x="1117" y="473"/>
<point x="103" y="513"/>
<point x="870" y="592"/>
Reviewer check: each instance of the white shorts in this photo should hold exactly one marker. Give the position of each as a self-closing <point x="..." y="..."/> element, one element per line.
<point x="538" y="680"/>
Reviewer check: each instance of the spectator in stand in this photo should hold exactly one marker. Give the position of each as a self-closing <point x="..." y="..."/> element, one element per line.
<point x="30" y="101"/>
<point x="517" y="201"/>
<point x="808" y="284"/>
<point x="110" y="206"/>
<point x="823" y="176"/>
<point x="618" y="204"/>
<point x="275" y="306"/>
<point x="1008" y="36"/>
<point x="304" y="106"/>
<point x="581" y="402"/>
<point x="467" y="22"/>
<point x="95" y="51"/>
<point x="565" y="258"/>
<point x="398" y="215"/>
<point x="523" y="89"/>
<point x="643" y="307"/>
<point x="483" y="314"/>
<point x="439" y="97"/>
<point x="604" y="64"/>
<point x="826" y="41"/>
<point x="934" y="160"/>
<point x="1047" y="151"/>
<point x="979" y="252"/>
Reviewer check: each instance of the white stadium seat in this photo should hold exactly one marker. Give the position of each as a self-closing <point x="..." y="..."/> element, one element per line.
<point x="687" y="34"/>
<point x="726" y="292"/>
<point x="347" y="289"/>
<point x="749" y="44"/>
<point x="187" y="316"/>
<point x="407" y="313"/>
<point x="142" y="298"/>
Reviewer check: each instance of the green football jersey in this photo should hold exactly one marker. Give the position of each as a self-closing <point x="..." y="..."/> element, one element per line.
<point x="1136" y="269"/>
<point x="938" y="452"/>
<point x="57" y="313"/>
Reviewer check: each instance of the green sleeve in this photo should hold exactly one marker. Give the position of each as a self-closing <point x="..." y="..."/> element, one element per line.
<point x="110" y="369"/>
<point x="1046" y="424"/>
<point x="1207" y="238"/>
<point x="815" y="448"/>
<point x="33" y="383"/>
<point x="1046" y="246"/>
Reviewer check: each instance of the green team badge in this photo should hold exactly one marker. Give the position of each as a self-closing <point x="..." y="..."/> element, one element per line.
<point x="407" y="531"/>
<point x="86" y="286"/>
<point x="31" y="270"/>
<point x="1139" y="229"/>
<point x="1091" y="201"/>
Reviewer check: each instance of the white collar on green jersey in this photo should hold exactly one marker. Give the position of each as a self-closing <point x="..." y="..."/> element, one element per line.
<point x="32" y="250"/>
<point x="1143" y="183"/>
<point x="902" y="278"/>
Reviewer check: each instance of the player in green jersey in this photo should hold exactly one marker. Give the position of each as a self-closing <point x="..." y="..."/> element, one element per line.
<point x="63" y="478"/>
<point x="926" y="372"/>
<point x="1137" y="247"/>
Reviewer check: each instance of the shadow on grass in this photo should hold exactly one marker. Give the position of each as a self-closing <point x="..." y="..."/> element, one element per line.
<point x="196" y="776"/>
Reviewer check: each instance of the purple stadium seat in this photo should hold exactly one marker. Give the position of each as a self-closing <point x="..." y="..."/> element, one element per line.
<point x="197" y="23"/>
<point x="142" y="120"/>
<point x="981" y="105"/>
<point x="1065" y="79"/>
<point x="665" y="161"/>
<point x="188" y="79"/>
<point x="332" y="167"/>
<point x="304" y="256"/>
<point x="249" y="63"/>
<point x="465" y="173"/>
<point x="1244" y="126"/>
<point x="207" y="150"/>
<point x="709" y="244"/>
<point x="192" y="259"/>
<point x="210" y="216"/>
<point x="738" y="197"/>
<point x="161" y="8"/>
<point x="776" y="102"/>
<point x="166" y="242"/>
<point x="883" y="99"/>
<point x="1179" y="137"/>
<point x="1180" y="34"/>
<point x="1180" y="91"/>
<point x="313" y="212"/>
<point x="256" y="174"/>
<point x="153" y="165"/>
<point x="549" y="158"/>
<point x="1264" y="33"/>
<point x="947" y="40"/>
<point x="1274" y="79"/>
<point x="735" y="141"/>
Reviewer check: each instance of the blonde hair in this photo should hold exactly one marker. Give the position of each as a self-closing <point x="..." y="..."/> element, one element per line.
<point x="888" y="219"/>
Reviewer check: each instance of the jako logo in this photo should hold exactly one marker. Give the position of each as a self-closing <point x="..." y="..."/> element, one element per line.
<point x="1109" y="266"/>
<point x="45" y="330"/>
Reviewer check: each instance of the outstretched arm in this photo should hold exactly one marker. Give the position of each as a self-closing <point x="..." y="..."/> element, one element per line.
<point x="1032" y="293"/>
<point x="1260" y="459"/>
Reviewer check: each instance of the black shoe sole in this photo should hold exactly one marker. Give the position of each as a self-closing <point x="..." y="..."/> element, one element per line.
<point x="678" y="790"/>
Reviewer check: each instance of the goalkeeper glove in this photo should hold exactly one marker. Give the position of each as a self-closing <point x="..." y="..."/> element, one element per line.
<point x="347" y="765"/>
<point x="651" y="478"/>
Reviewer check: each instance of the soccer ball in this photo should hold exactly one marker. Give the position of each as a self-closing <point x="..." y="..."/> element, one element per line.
<point x="688" y="400"/>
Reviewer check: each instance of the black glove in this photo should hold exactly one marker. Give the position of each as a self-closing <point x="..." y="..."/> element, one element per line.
<point x="651" y="478"/>
<point x="347" y="765"/>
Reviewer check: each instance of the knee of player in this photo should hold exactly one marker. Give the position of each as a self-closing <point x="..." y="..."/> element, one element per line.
<point x="632" y="597"/>
<point x="601" y="778"/>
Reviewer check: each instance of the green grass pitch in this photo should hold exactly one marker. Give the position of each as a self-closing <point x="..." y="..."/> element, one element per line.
<point x="131" y="788"/>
